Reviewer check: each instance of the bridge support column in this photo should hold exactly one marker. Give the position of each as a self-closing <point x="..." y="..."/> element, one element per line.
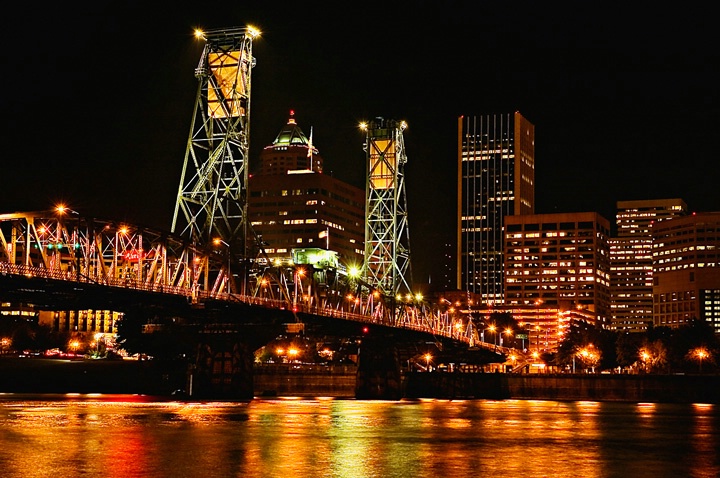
<point x="223" y="369"/>
<point x="378" y="372"/>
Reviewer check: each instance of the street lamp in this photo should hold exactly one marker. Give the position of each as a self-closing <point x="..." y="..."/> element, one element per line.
<point x="508" y="332"/>
<point x="217" y="241"/>
<point x="645" y="358"/>
<point x="74" y="346"/>
<point x="428" y="357"/>
<point x="63" y="209"/>
<point x="298" y="274"/>
<point x="5" y="344"/>
<point x="99" y="337"/>
<point x="701" y="354"/>
<point x="492" y="329"/>
<point x="458" y="327"/>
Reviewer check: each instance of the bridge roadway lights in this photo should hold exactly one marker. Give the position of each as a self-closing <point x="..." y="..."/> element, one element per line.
<point x="378" y="372"/>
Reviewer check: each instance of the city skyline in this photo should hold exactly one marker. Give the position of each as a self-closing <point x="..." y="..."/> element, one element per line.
<point x="99" y="111"/>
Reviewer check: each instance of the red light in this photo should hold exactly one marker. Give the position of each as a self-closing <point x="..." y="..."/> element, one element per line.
<point x="365" y="330"/>
<point x="134" y="255"/>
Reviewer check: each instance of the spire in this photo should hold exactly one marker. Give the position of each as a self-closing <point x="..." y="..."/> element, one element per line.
<point x="290" y="151"/>
<point x="291" y="134"/>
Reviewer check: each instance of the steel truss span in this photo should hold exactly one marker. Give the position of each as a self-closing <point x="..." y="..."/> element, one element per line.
<point x="65" y="246"/>
<point x="68" y="248"/>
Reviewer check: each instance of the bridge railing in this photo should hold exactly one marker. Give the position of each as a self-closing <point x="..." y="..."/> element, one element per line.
<point x="54" y="274"/>
<point x="415" y="320"/>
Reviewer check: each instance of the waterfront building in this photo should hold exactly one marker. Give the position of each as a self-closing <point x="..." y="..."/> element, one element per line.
<point x="496" y="179"/>
<point x="686" y="270"/>
<point x="560" y="261"/>
<point x="292" y="205"/>
<point x="25" y="312"/>
<point x="85" y="324"/>
<point x="81" y="322"/>
<point x="541" y="327"/>
<point x="631" y="301"/>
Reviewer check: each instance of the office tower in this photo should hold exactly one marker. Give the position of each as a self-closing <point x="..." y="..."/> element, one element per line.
<point x="496" y="179"/>
<point x="292" y="205"/>
<point x="686" y="270"/>
<point x="559" y="260"/>
<point x="631" y="260"/>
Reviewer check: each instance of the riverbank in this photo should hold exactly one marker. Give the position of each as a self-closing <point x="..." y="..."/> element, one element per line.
<point x="79" y="375"/>
<point x="155" y="378"/>
<point x="569" y="387"/>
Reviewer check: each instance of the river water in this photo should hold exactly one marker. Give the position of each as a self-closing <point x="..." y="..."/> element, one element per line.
<point x="132" y="436"/>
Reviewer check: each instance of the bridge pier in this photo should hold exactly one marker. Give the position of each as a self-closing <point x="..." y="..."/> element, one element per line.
<point x="223" y="368"/>
<point x="378" y="372"/>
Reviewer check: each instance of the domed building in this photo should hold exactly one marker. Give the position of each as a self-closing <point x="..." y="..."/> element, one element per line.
<point x="293" y="206"/>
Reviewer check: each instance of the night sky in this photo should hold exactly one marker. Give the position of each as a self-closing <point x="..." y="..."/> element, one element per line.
<point x="98" y="99"/>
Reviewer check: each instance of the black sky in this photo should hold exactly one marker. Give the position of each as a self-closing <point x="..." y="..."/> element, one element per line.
<point x="624" y="96"/>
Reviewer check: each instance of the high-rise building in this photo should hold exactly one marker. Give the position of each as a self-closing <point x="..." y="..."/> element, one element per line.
<point x="686" y="270"/>
<point x="496" y="179"/>
<point x="292" y="205"/>
<point x="291" y="151"/>
<point x="559" y="260"/>
<point x="631" y="266"/>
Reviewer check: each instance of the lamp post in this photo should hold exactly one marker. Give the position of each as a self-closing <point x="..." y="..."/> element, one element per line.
<point x="492" y="329"/>
<point x="74" y="346"/>
<point x="298" y="274"/>
<point x="508" y="332"/>
<point x="5" y="344"/>
<point x="701" y="354"/>
<point x="62" y="209"/>
<point x="645" y="357"/>
<point x="217" y="241"/>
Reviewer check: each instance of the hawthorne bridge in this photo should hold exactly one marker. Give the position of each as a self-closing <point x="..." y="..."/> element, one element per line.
<point x="45" y="256"/>
<point x="210" y="272"/>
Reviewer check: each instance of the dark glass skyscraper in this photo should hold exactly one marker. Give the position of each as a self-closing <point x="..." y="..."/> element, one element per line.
<point x="496" y="178"/>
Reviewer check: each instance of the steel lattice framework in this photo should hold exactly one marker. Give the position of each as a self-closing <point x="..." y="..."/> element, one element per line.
<point x="387" y="239"/>
<point x="64" y="246"/>
<point x="211" y="201"/>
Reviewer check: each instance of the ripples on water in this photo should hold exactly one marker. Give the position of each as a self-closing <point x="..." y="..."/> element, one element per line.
<point x="125" y="436"/>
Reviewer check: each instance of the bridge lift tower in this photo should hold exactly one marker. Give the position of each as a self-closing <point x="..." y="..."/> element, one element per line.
<point x="212" y="197"/>
<point x="387" y="240"/>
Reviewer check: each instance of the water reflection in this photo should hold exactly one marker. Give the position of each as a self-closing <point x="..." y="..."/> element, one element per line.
<point x="122" y="437"/>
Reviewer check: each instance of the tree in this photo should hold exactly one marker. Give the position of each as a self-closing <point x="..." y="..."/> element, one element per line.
<point x="580" y="336"/>
<point x="606" y="343"/>
<point x="23" y="337"/>
<point x="627" y="347"/>
<point x="653" y="356"/>
<point x="165" y="339"/>
<point x="689" y="338"/>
